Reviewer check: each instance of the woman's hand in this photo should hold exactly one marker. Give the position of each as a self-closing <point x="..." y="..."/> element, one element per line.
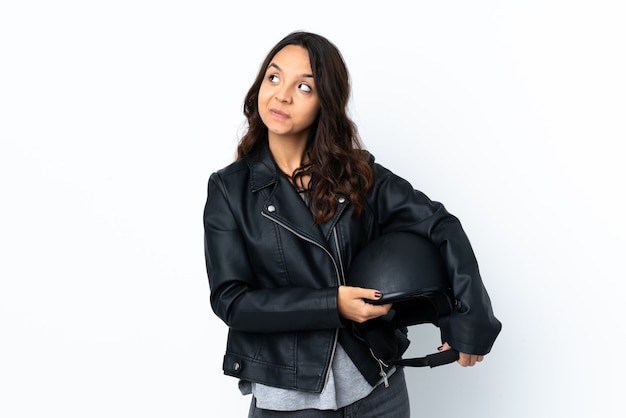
<point x="352" y="305"/>
<point x="464" y="359"/>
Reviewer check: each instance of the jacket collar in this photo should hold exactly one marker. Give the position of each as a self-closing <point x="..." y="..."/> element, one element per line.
<point x="263" y="170"/>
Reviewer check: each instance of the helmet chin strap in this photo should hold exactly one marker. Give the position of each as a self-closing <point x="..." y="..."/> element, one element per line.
<point x="432" y="360"/>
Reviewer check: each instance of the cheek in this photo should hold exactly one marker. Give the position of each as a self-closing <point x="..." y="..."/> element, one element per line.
<point x="262" y="104"/>
<point x="261" y="97"/>
<point x="313" y="112"/>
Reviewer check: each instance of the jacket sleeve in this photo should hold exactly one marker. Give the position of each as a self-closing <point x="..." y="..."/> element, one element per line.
<point x="236" y="297"/>
<point x="472" y="328"/>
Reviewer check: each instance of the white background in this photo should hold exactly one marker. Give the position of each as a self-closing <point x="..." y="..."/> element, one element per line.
<point x="113" y="115"/>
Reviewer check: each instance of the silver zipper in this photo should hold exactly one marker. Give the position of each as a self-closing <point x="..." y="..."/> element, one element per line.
<point x="337" y="271"/>
<point x="343" y="278"/>
<point x="340" y="276"/>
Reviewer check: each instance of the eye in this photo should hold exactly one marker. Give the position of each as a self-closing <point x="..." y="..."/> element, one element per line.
<point x="273" y="78"/>
<point x="305" y="87"/>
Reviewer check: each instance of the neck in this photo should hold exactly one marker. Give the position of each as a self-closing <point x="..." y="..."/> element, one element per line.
<point x="289" y="154"/>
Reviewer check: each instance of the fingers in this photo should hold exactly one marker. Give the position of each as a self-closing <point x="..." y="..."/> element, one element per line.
<point x="465" y="360"/>
<point x="351" y="303"/>
<point x="444" y="347"/>
<point x="369" y="311"/>
<point x="365" y="294"/>
<point x="469" y="360"/>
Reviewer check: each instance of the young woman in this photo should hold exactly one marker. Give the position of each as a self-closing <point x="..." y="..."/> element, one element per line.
<point x="282" y="224"/>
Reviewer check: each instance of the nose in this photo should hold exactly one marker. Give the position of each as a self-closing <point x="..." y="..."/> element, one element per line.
<point x="283" y="95"/>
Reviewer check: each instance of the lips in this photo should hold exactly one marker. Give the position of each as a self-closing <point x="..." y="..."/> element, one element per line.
<point x="277" y="113"/>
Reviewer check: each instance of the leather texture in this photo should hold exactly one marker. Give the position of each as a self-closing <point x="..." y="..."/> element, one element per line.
<point x="273" y="273"/>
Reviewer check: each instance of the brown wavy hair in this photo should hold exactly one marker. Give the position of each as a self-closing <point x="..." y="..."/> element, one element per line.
<point x="337" y="162"/>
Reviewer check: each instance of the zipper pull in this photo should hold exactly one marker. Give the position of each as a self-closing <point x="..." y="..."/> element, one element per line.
<point x="381" y="365"/>
<point x="382" y="373"/>
<point x="384" y="376"/>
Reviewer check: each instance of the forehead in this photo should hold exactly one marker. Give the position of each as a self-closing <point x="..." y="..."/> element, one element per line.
<point x="293" y="58"/>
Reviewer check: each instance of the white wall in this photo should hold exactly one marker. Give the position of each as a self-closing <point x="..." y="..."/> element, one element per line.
<point x="113" y="115"/>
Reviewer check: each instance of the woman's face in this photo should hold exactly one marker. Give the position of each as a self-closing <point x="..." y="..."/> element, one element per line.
<point x="288" y="100"/>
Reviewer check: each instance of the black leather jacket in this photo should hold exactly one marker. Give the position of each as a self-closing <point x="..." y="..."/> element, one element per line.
<point x="273" y="274"/>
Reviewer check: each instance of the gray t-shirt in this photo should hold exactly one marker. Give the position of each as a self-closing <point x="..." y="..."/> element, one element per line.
<point x="345" y="385"/>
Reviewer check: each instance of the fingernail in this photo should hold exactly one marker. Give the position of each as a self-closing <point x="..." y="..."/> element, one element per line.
<point x="378" y="295"/>
<point x="440" y="348"/>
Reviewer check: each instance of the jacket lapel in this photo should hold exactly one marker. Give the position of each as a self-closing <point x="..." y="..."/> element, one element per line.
<point x="342" y="204"/>
<point x="283" y="204"/>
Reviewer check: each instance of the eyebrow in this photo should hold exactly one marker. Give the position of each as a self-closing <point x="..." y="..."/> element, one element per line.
<point x="280" y="69"/>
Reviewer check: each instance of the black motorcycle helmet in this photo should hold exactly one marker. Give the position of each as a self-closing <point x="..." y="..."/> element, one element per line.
<point x="409" y="271"/>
